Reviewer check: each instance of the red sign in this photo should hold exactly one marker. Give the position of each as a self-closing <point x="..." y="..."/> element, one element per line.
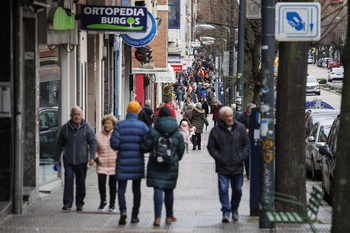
<point x="177" y="67"/>
<point x="139" y="56"/>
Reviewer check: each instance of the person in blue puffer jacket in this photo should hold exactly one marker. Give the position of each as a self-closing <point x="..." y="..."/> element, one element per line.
<point x="126" y="138"/>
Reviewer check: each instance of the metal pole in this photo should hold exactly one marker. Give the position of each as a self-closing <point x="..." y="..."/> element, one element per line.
<point x="240" y="59"/>
<point x="231" y="54"/>
<point x="267" y="129"/>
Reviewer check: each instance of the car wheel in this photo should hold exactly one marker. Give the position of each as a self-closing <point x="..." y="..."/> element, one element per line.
<point x="330" y="80"/>
<point x="315" y="174"/>
<point x="318" y="93"/>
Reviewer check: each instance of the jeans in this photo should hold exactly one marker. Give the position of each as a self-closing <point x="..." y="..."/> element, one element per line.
<point x="168" y="201"/>
<point x="236" y="185"/>
<point x="196" y="140"/>
<point x="136" y="189"/>
<point x="79" y="171"/>
<point x="102" y="178"/>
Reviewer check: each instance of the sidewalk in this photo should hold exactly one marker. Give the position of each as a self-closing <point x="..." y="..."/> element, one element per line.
<point x="196" y="207"/>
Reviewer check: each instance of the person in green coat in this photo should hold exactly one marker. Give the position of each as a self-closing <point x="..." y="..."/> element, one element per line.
<point x="159" y="176"/>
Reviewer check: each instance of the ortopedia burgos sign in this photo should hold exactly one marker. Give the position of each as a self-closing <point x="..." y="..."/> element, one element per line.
<point x="114" y="18"/>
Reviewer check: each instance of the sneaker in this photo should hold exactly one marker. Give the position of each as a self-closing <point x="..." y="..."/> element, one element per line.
<point x="103" y="206"/>
<point x="170" y="219"/>
<point x="194" y="148"/>
<point x="226" y="218"/>
<point x="157" y="221"/>
<point x="199" y="148"/>
<point x="79" y="208"/>
<point x="122" y="219"/>
<point x="135" y="219"/>
<point x="235" y="216"/>
<point x="66" y="208"/>
<point x="111" y="208"/>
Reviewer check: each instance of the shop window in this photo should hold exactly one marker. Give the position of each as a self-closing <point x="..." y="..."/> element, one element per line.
<point x="174" y="14"/>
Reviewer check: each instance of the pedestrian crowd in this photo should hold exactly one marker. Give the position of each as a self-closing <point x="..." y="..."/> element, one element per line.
<point x="118" y="149"/>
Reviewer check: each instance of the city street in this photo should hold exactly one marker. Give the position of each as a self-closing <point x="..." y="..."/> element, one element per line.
<point x="330" y="97"/>
<point x="196" y="207"/>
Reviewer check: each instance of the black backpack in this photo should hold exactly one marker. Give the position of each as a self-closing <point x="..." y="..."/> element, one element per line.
<point x="163" y="152"/>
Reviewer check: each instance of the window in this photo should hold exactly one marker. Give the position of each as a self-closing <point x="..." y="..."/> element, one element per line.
<point x="174" y="14"/>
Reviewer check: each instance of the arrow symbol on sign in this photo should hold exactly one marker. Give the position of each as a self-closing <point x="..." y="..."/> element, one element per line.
<point x="311" y="24"/>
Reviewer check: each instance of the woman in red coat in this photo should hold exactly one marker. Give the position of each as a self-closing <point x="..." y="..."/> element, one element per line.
<point x="216" y="111"/>
<point x="106" y="158"/>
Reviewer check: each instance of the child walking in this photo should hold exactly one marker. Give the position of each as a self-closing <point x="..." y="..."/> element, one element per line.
<point x="186" y="130"/>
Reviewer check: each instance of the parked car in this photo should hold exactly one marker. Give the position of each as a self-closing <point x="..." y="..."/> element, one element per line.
<point x="312" y="85"/>
<point x="48" y="130"/>
<point x="314" y="141"/>
<point x="325" y="62"/>
<point x="329" y="152"/>
<point x="314" y="115"/>
<point x="333" y="64"/>
<point x="335" y="73"/>
<point x="310" y="59"/>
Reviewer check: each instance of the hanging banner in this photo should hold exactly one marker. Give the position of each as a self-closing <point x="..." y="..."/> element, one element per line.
<point x="114" y="18"/>
<point x="142" y="39"/>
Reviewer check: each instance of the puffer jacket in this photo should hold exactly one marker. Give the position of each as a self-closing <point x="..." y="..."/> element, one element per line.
<point x="76" y="145"/>
<point x="159" y="175"/>
<point x="197" y="118"/>
<point x="185" y="130"/>
<point x="105" y="154"/>
<point x="126" y="139"/>
<point x="229" y="148"/>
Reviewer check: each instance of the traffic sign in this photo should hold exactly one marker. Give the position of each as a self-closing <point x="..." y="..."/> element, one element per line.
<point x="298" y="21"/>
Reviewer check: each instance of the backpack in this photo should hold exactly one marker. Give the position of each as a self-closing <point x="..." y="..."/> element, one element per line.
<point x="163" y="151"/>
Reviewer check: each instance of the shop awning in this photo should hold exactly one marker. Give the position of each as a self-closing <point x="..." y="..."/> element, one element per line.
<point x="161" y="75"/>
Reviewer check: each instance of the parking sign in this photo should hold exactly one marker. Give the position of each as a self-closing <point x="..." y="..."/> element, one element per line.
<point x="298" y="21"/>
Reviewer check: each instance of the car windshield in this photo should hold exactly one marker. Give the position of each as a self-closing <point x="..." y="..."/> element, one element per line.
<point x="311" y="80"/>
<point x="324" y="131"/>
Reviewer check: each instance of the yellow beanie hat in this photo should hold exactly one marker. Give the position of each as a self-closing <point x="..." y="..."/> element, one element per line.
<point x="133" y="107"/>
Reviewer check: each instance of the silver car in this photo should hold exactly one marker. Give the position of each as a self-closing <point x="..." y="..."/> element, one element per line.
<point x="312" y="85"/>
<point x="315" y="140"/>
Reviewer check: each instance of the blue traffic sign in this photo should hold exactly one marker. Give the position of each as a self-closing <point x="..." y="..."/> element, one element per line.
<point x="298" y="21"/>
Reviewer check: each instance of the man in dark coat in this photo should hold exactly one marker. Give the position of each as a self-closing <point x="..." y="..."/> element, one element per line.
<point x="244" y="118"/>
<point x="126" y="139"/>
<point x="146" y="113"/>
<point x="229" y="146"/>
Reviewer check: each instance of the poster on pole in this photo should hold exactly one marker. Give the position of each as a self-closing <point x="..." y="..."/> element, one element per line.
<point x="253" y="9"/>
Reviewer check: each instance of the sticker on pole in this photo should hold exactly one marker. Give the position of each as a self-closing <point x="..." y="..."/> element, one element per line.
<point x="298" y="21"/>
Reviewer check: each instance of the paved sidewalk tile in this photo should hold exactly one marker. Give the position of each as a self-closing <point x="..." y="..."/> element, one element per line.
<point x="196" y="207"/>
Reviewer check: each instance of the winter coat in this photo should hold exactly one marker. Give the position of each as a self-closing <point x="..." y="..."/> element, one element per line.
<point x="105" y="155"/>
<point x="216" y="112"/>
<point x="205" y="107"/>
<point x="194" y="97"/>
<point x="76" y="145"/>
<point x="197" y="118"/>
<point x="229" y="148"/>
<point x="203" y="93"/>
<point x="244" y="118"/>
<point x="160" y="175"/>
<point x="146" y="115"/>
<point x="126" y="138"/>
<point x="188" y="113"/>
<point x="185" y="130"/>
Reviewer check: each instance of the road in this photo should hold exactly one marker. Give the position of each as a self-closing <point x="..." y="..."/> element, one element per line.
<point x="327" y="96"/>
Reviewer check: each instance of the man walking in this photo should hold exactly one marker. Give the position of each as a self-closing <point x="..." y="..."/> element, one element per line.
<point x="146" y="114"/>
<point x="244" y="118"/>
<point x="126" y="139"/>
<point x="75" y="139"/>
<point x="229" y="146"/>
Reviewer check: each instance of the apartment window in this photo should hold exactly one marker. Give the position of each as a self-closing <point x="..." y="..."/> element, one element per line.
<point x="174" y="14"/>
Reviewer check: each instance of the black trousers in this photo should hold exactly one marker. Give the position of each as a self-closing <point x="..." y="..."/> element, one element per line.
<point x="102" y="178"/>
<point x="196" y="140"/>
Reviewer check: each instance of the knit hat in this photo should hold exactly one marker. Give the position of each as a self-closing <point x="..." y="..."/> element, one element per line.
<point x="133" y="107"/>
<point x="164" y="111"/>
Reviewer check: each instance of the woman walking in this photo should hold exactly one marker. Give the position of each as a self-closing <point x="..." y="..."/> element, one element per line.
<point x="197" y="118"/>
<point x="105" y="160"/>
<point x="216" y="111"/>
<point x="160" y="176"/>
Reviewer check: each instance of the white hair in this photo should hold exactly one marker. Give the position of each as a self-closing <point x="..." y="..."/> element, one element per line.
<point x="76" y="107"/>
<point x="148" y="102"/>
<point x="224" y="109"/>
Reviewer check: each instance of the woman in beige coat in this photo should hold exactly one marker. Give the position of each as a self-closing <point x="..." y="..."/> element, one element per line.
<point x="106" y="159"/>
